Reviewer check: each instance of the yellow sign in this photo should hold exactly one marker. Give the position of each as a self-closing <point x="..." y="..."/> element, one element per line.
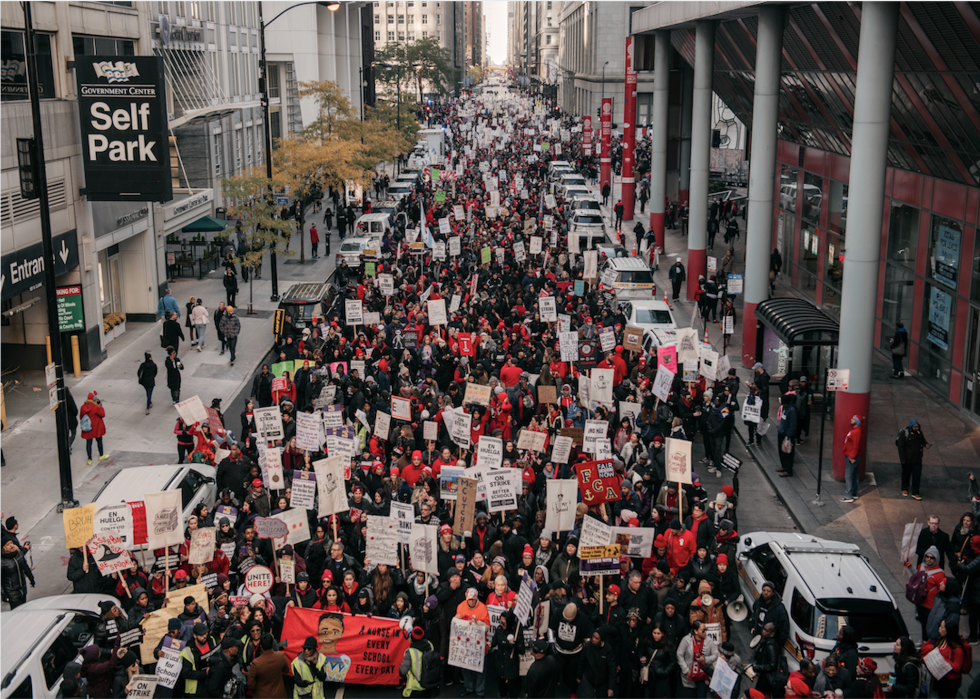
<point x="154" y="628"/>
<point x="278" y="320"/>
<point x="78" y="525"/>
<point x="591" y="553"/>
<point x="175" y="598"/>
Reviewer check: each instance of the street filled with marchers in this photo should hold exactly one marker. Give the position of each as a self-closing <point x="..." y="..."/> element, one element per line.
<point x="468" y="474"/>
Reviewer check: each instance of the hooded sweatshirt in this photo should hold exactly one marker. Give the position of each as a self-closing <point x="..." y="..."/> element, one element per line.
<point x="571" y="630"/>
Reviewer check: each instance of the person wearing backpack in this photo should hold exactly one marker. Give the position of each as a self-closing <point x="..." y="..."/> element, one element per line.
<point x="910" y="674"/>
<point x="93" y="425"/>
<point x="911" y="444"/>
<point x="924" y="585"/>
<point x="421" y="667"/>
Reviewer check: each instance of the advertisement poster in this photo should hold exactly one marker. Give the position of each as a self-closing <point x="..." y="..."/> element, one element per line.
<point x="939" y="311"/>
<point x="947" y="260"/>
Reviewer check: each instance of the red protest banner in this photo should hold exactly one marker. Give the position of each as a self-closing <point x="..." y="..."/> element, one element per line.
<point x="214" y="421"/>
<point x="139" y="522"/>
<point x="359" y="650"/>
<point x="597" y="481"/>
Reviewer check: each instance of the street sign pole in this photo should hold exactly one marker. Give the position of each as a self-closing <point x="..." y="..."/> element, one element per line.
<point x="61" y="418"/>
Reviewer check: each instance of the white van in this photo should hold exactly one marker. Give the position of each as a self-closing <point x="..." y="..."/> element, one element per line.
<point x="373" y="225"/>
<point x="824" y="585"/>
<point x="41" y="638"/>
<point x="633" y="278"/>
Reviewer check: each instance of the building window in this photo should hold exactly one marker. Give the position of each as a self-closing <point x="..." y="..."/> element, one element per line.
<point x="411" y="36"/>
<point x="217" y="154"/>
<point x="238" y="150"/>
<point x="14" y="85"/>
<point x="425" y="19"/>
<point x="547" y="39"/>
<point x="549" y="20"/>
<point x="102" y="46"/>
<point x="438" y="19"/>
<point x="898" y="302"/>
<point x="812" y="198"/>
<point x="377" y="36"/>
<point x="411" y="19"/>
<point x="837" y="207"/>
<point x="426" y="34"/>
<point x="903" y="235"/>
<point x="401" y="36"/>
<point x="377" y="19"/>
<point x="391" y="19"/>
<point x="377" y="4"/>
<point x="272" y="78"/>
<point x="401" y="19"/>
<point x="549" y="5"/>
<point x="391" y="36"/>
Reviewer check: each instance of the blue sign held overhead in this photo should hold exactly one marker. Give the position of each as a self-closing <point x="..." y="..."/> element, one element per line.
<point x="734" y="284"/>
<point x="282" y="201"/>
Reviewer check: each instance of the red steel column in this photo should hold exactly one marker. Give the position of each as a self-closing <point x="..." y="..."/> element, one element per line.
<point x="587" y="134"/>
<point x="605" y="138"/>
<point x="629" y="134"/>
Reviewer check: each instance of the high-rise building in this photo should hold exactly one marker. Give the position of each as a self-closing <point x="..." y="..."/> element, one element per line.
<point x="546" y="39"/>
<point x="403" y="20"/>
<point x="474" y="32"/>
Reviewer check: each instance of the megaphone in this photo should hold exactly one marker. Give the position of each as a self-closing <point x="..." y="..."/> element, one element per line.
<point x="737" y="610"/>
<point x="706" y="600"/>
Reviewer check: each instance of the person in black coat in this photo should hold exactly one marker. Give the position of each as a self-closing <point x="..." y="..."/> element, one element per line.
<point x="932" y="535"/>
<point x="768" y="608"/>
<point x="172" y="332"/>
<point x="147" y="376"/>
<point x="174" y="367"/>
<point x="230" y="282"/>
<point x="598" y="664"/>
<point x="14" y="572"/>
<point x="508" y="641"/>
<point x="84" y="573"/>
<point x="542" y="676"/>
<point x="221" y="666"/>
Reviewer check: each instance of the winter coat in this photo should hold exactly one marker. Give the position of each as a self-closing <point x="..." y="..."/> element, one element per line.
<point x="685" y="657"/>
<point x="564" y="566"/>
<point x="83" y="582"/>
<point x="147" y="374"/>
<point x="14" y="574"/>
<point x="911" y="444"/>
<point x="95" y="413"/>
<point x="598" y="664"/>
<point x="508" y="656"/>
<point x="774" y="612"/>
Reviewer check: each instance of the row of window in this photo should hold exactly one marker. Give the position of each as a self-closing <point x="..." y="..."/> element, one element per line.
<point x="412" y="4"/>
<point x="402" y="35"/>
<point x="411" y="19"/>
<point x="244" y="140"/>
<point x="241" y="14"/>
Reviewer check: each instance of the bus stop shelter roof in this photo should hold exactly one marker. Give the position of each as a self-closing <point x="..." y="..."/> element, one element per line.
<point x="798" y="323"/>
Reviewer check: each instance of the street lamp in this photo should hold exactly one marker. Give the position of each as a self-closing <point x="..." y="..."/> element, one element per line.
<point x="603" y="82"/>
<point x="264" y="89"/>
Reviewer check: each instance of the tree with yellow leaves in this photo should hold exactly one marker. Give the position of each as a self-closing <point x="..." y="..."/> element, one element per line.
<point x="258" y="225"/>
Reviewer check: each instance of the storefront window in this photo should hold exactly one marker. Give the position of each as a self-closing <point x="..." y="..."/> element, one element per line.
<point x="837" y="207"/>
<point x="812" y="198"/>
<point x="807" y="283"/>
<point x="833" y="273"/>
<point x="13" y="85"/>
<point x="897" y="306"/>
<point x="945" y="241"/>
<point x="937" y="337"/>
<point x="809" y="248"/>
<point x="788" y="185"/>
<point x="975" y="284"/>
<point x="903" y="234"/>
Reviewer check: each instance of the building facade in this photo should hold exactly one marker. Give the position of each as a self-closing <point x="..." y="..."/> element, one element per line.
<point x="475" y="33"/>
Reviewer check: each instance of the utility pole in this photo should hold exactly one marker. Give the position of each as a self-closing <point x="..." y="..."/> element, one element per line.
<point x="61" y="418"/>
<point x="267" y="128"/>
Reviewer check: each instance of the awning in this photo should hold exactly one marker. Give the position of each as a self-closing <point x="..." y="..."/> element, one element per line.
<point x="205" y="224"/>
<point x="798" y="323"/>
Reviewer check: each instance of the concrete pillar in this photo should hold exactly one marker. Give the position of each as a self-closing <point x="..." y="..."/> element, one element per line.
<point x="687" y="108"/>
<point x="658" y="137"/>
<point x="762" y="171"/>
<point x="697" y="229"/>
<point x="859" y="295"/>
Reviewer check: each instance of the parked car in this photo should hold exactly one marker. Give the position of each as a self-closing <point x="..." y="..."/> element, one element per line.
<point x="590" y="229"/>
<point x="631" y="278"/>
<point x="351" y="250"/>
<point x="824" y="585"/>
<point x="42" y="637"/>
<point x="590" y="204"/>
<point x="649" y="314"/>
<point x="301" y="303"/>
<point x="196" y="483"/>
<point x="399" y="190"/>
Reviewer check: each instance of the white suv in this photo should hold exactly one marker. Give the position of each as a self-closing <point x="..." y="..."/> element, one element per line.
<point x="824" y="585"/>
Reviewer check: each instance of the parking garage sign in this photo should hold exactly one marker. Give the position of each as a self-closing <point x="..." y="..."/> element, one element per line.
<point x="123" y="115"/>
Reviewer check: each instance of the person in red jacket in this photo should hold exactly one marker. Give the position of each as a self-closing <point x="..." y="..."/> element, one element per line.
<point x="413" y="471"/>
<point x="510" y="374"/>
<point x="852" y="457"/>
<point x="935" y="582"/>
<point x="314" y="241"/>
<point x="619" y="364"/>
<point x="680" y="545"/>
<point x="957" y="653"/>
<point x="93" y="410"/>
<point x="500" y="409"/>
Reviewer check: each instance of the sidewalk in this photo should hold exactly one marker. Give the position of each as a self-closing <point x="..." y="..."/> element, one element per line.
<point x="30" y="480"/>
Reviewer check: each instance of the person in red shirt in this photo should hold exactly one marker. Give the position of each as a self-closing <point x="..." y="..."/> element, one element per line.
<point x="954" y="651"/>
<point x="445" y="459"/>
<point x="680" y="545"/>
<point x="502" y="595"/>
<point x="314" y="241"/>
<point x="500" y="409"/>
<point x="619" y="364"/>
<point x="852" y="457"/>
<point x="511" y="373"/>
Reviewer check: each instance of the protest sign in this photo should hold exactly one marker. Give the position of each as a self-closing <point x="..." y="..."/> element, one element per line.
<point x="548" y="309"/>
<point x="115" y="519"/>
<point x="465" y="510"/>
<point x="268" y="423"/>
<point x="490" y="452"/>
<point x="548" y="394"/>
<point x="386" y="283"/>
<point x="382" y="425"/>
<point x="423" y="547"/>
<point x="354" y="309"/>
<point x="175" y="598"/>
<point x="662" y="383"/>
<point x="307" y="431"/>
<point x="430" y="431"/>
<point x="168" y="671"/>
<point x="667" y="357"/>
<point x="258" y="580"/>
<point x="333" y="416"/>
<point x="287" y="572"/>
<point x="678" y="460"/>
<point x="359" y="650"/>
<point x="597" y="482"/>
<point x="599" y="560"/>
<point x="724" y="364"/>
<point x="562" y="450"/>
<point x="459" y="427"/>
<point x="78" y="523"/>
<point x="477" y="393"/>
<point x="633" y="339"/>
<point x="404" y="514"/>
<point x="303" y="494"/>
<point x="562" y="498"/>
<point x="595" y="533"/>
<point x="142" y="686"/>
<point x="164" y="518"/>
<point x="525" y="596"/>
<point x="381" y="545"/>
<point x="723" y="680"/>
<point x="594" y="431"/>
<point x="467" y="645"/>
<point x="536" y="243"/>
<point x="709" y="365"/>
<point x="330" y="485"/>
<point x="296" y="524"/>
<point x="270" y="528"/>
<point x="568" y="343"/>
<point x="529" y="439"/>
<point x="273" y="465"/>
<point x="630" y="410"/>
<point x="607" y="339"/>
<point x="601" y="388"/>
<point x="201" y="550"/>
<point x="449" y="481"/>
<point x="401" y="409"/>
<point x="154" y="627"/>
<point x="110" y="553"/>
<point x="437" y="312"/>
<point x="687" y="345"/>
<point x="192" y="410"/>
<point x="635" y="541"/>
<point x="502" y="486"/>
<point x="752" y="412"/>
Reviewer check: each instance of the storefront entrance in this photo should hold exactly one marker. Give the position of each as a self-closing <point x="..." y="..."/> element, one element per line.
<point x="110" y="295"/>
<point x="971" y="376"/>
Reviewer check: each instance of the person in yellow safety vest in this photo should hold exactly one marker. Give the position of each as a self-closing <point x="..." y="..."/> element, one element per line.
<point x="308" y="672"/>
<point x="194" y="658"/>
<point x="411" y="667"/>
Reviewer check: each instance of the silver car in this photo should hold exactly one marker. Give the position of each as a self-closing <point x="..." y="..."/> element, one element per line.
<point x="351" y="250"/>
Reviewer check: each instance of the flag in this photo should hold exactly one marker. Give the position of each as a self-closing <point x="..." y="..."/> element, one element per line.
<point x="426" y="235"/>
